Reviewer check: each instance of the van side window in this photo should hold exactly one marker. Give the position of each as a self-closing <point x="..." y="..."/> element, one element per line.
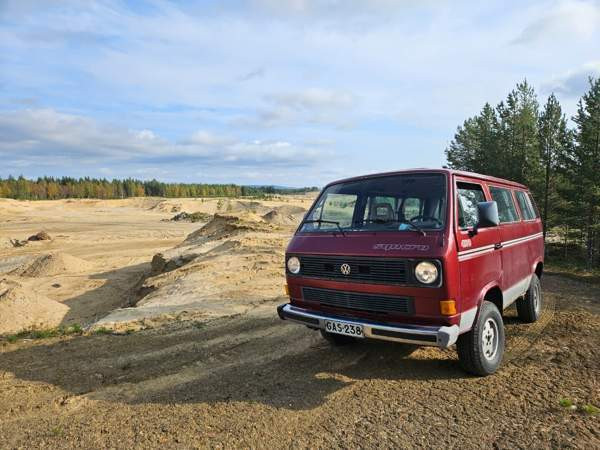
<point x="534" y="207"/>
<point x="525" y="205"/>
<point x="468" y="195"/>
<point x="506" y="207"/>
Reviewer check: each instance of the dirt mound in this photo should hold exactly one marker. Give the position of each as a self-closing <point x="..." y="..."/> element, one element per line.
<point x="285" y="215"/>
<point x="279" y="219"/>
<point x="191" y="217"/>
<point x="241" y="206"/>
<point x="6" y="243"/>
<point x="222" y="226"/>
<point x="52" y="264"/>
<point x="161" y="263"/>
<point x="41" y="236"/>
<point x="21" y="308"/>
<point x="164" y="206"/>
<point x="291" y="210"/>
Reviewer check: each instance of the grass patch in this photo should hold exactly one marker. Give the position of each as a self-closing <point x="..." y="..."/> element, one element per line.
<point x="102" y="330"/>
<point x="565" y="402"/>
<point x="74" y="329"/>
<point x="591" y="409"/>
<point x="198" y="324"/>
<point x="56" y="431"/>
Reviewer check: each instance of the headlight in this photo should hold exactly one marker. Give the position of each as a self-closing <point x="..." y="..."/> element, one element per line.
<point x="426" y="272"/>
<point x="293" y="265"/>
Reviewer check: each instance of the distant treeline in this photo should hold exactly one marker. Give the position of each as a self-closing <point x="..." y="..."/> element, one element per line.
<point x="561" y="164"/>
<point x="48" y="188"/>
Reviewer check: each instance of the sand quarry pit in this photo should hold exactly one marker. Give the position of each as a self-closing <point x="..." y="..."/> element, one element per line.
<point x="183" y="347"/>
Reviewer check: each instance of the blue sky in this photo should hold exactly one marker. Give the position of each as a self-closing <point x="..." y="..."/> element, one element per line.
<point x="296" y="92"/>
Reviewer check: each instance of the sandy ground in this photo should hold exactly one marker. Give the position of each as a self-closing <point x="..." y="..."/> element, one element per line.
<point x="212" y="366"/>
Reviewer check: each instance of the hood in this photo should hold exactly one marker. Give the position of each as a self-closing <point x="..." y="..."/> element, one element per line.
<point x="394" y="244"/>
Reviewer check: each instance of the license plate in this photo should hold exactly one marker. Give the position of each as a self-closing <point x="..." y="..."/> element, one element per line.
<point x="348" y="329"/>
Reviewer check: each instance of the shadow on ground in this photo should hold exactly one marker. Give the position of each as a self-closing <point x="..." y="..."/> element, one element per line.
<point x="240" y="359"/>
<point x="117" y="291"/>
<point x="246" y="358"/>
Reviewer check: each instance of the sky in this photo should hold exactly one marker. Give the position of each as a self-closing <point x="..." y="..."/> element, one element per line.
<point x="295" y="93"/>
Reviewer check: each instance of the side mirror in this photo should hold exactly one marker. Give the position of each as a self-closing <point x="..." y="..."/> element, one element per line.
<point x="488" y="216"/>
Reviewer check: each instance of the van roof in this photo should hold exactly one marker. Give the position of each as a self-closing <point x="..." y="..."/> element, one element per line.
<point x="461" y="173"/>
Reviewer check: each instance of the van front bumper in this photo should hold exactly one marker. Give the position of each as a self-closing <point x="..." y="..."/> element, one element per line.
<point x="411" y="334"/>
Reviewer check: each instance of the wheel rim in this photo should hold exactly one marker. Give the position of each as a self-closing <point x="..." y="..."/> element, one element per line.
<point x="536" y="299"/>
<point x="489" y="339"/>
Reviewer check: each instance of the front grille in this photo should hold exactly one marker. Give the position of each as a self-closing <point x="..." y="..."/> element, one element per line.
<point x="381" y="304"/>
<point x="374" y="270"/>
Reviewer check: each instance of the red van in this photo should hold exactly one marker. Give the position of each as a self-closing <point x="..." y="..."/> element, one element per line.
<point x="428" y="257"/>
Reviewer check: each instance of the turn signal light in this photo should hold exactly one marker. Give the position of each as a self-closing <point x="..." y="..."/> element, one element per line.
<point x="286" y="288"/>
<point x="448" y="307"/>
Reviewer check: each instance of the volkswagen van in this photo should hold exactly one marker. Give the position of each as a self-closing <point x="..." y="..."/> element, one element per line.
<point x="426" y="257"/>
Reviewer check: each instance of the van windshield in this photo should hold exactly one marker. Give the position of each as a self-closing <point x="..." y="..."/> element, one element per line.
<point x="389" y="203"/>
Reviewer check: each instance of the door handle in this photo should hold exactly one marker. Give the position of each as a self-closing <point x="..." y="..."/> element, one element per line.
<point x="498" y="246"/>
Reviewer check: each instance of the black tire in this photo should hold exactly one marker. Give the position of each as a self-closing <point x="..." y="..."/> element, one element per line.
<point x="473" y="356"/>
<point x="337" y="339"/>
<point x="529" y="307"/>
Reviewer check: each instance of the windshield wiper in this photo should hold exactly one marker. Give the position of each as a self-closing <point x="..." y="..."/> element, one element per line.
<point x="415" y="227"/>
<point x="320" y="221"/>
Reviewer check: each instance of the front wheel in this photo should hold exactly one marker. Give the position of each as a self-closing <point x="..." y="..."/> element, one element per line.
<point x="480" y="350"/>
<point x="529" y="307"/>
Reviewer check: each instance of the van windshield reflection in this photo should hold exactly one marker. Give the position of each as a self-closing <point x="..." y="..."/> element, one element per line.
<point x="406" y="202"/>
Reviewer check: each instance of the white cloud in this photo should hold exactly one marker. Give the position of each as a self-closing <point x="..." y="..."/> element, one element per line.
<point x="309" y="106"/>
<point x="576" y="18"/>
<point x="35" y="130"/>
<point x="46" y="134"/>
<point x="573" y="83"/>
<point x="205" y="138"/>
<point x="314" y="99"/>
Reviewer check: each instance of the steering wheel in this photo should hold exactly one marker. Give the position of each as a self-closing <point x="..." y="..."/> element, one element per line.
<point x="426" y="218"/>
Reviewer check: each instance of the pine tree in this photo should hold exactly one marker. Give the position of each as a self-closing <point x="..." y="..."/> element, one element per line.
<point x="474" y="144"/>
<point x="582" y="166"/>
<point x="518" y="154"/>
<point x="554" y="139"/>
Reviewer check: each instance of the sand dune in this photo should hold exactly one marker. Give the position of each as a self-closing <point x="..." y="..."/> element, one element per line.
<point x="52" y="264"/>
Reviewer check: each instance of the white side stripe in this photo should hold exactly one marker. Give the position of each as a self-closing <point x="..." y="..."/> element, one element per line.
<point x="475" y="255"/>
<point x="523" y="239"/>
<point x="475" y="250"/>
<point x="480" y="251"/>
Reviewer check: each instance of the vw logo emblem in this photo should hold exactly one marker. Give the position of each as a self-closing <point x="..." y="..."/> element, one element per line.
<point x="345" y="269"/>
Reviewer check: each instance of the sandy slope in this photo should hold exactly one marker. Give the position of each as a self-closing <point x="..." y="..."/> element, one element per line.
<point x="102" y="249"/>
